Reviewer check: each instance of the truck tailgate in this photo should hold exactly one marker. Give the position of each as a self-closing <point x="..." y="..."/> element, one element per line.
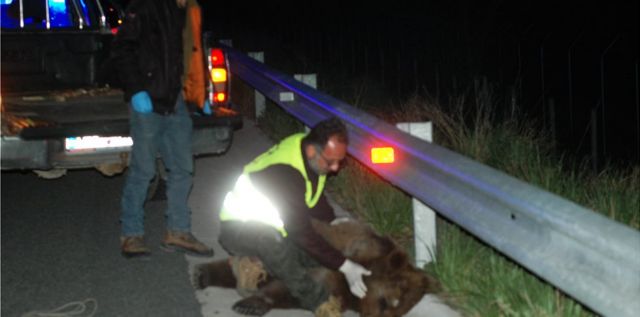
<point x="41" y="130"/>
<point x="82" y="112"/>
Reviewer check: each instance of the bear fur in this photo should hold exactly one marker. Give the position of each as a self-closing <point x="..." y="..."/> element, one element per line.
<point x="394" y="286"/>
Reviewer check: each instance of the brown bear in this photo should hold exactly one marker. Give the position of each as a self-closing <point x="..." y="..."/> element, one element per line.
<point x="394" y="286"/>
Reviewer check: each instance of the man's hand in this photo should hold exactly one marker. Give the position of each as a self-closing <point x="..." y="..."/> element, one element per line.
<point x="353" y="272"/>
<point x="141" y="102"/>
<point x="206" y="108"/>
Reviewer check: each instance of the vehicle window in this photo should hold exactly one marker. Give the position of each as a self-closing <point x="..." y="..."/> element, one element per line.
<point x="60" y="13"/>
<point x="63" y="14"/>
<point x="85" y="12"/>
<point x="114" y="13"/>
<point x="34" y="13"/>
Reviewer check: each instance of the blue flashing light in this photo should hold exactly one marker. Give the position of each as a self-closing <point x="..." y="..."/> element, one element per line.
<point x="58" y="14"/>
<point x="8" y="21"/>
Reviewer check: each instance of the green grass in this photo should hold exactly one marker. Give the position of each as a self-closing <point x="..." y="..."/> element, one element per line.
<point x="374" y="200"/>
<point x="475" y="278"/>
<point x="481" y="282"/>
<point x="277" y="123"/>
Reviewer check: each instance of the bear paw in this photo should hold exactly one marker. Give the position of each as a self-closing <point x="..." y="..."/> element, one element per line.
<point x="200" y="278"/>
<point x="253" y="306"/>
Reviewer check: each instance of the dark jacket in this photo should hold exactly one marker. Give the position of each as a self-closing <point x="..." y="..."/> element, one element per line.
<point x="284" y="184"/>
<point x="147" y="52"/>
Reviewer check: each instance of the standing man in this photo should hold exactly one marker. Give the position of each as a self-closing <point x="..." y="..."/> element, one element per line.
<point x="268" y="216"/>
<point x="148" y="56"/>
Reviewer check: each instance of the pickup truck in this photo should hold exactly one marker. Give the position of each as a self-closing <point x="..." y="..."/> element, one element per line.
<point x="58" y="113"/>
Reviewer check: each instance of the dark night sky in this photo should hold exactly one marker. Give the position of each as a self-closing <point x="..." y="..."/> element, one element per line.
<point x="501" y="15"/>
<point x="463" y="39"/>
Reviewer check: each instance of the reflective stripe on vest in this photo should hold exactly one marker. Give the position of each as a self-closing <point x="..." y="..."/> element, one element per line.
<point x="246" y="203"/>
<point x="241" y="203"/>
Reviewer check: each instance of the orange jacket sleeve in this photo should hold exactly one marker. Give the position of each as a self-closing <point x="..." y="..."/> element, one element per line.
<point x="194" y="77"/>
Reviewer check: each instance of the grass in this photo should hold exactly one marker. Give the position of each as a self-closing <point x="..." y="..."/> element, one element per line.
<point x="475" y="278"/>
<point x="278" y="124"/>
<point x="481" y="282"/>
<point x="521" y="150"/>
<point x="381" y="204"/>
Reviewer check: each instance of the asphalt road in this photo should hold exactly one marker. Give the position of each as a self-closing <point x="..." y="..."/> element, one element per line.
<point x="60" y="241"/>
<point x="60" y="245"/>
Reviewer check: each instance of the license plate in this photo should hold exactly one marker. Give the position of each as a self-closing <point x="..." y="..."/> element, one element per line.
<point x="96" y="143"/>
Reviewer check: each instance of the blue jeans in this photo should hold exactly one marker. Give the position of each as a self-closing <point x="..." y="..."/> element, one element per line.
<point x="170" y="136"/>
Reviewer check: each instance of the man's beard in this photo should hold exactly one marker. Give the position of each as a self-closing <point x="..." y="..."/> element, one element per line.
<point x="313" y="164"/>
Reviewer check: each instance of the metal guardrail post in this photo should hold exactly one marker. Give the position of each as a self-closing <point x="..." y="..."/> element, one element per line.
<point x="424" y="218"/>
<point x="260" y="101"/>
<point x="588" y="256"/>
<point x="312" y="81"/>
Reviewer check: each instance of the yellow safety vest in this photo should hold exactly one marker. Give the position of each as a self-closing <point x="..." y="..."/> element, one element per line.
<point x="246" y="203"/>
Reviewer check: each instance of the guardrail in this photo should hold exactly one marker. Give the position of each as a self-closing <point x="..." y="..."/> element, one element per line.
<point x="588" y="256"/>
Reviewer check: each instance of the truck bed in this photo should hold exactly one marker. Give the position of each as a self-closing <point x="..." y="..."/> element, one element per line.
<point x="35" y="127"/>
<point x="66" y="113"/>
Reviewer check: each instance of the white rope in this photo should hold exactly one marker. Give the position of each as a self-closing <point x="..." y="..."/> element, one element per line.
<point x="89" y="306"/>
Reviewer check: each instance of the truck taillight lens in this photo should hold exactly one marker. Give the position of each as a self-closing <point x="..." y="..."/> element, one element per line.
<point x="220" y="97"/>
<point x="217" y="57"/>
<point x="218" y="88"/>
<point x="218" y="75"/>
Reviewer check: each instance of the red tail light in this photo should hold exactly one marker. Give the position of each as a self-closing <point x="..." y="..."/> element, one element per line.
<point x="218" y="91"/>
<point x="220" y="97"/>
<point x="217" y="58"/>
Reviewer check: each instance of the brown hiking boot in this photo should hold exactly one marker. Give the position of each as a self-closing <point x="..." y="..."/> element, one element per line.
<point x="330" y="308"/>
<point x="185" y="242"/>
<point x="249" y="272"/>
<point x="133" y="247"/>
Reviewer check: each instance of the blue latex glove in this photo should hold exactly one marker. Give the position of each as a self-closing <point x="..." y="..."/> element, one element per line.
<point x="206" y="109"/>
<point x="141" y="102"/>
